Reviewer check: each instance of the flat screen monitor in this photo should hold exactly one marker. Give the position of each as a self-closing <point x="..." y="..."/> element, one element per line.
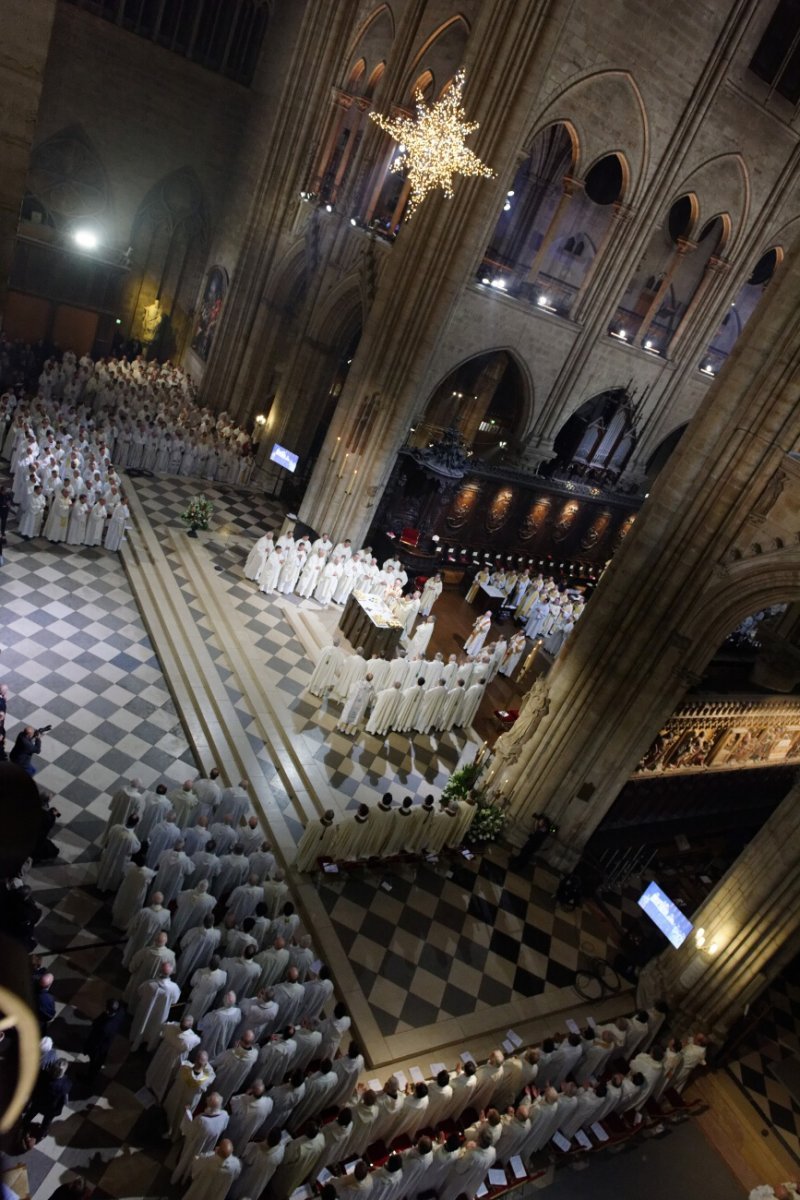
<point x="665" y="913"/>
<point x="283" y="457"/>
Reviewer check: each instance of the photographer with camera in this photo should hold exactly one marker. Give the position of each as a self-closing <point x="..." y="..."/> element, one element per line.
<point x="28" y="743"/>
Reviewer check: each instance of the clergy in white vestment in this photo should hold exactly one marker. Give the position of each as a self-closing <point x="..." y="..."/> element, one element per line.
<point x="163" y="837"/>
<point x="121" y="845"/>
<point x="197" y="948"/>
<point x="451" y="706"/>
<point x="275" y="1058"/>
<point x="512" y="655"/>
<point x="441" y="833"/>
<point x="249" y="1111"/>
<point x="191" y="1081"/>
<point x="115" y="533"/>
<point x="417" y="1161"/>
<point x="327" y="670"/>
<point x="323" y="545"/>
<point x="76" y="530"/>
<point x="288" y="995"/>
<point x="470" y="704"/>
<point x="173" y="867"/>
<point x="410" y="701"/>
<point x="285" y="1099"/>
<point x="497" y="653"/>
<point x="184" y="801"/>
<point x="398" y="840"/>
<point x="218" y="1027"/>
<point x="234" y="1065"/>
<point x="127" y="801"/>
<point x="420" y="640"/>
<point x="132" y="893"/>
<point x="378" y="668"/>
<point x="422" y="817"/>
<point x="308" y="1042"/>
<point x="157" y="808"/>
<point x="353" y="670"/>
<point x="471" y="1168"/>
<point x="206" y="984"/>
<point x="359" y="698"/>
<point x="516" y="1127"/>
<point x="154" y="999"/>
<point x="178" y="1040"/>
<point x="234" y="869"/>
<point x="430" y="710"/>
<point x="234" y="803"/>
<point x="260" y="1161"/>
<point x="337" y="1135"/>
<point x="193" y="905"/>
<point x="328" y="579"/>
<point x="244" y="898"/>
<point x="299" y="1162"/>
<point x="57" y="523"/>
<point x="259" y="1013"/>
<point x="201" y="1132"/>
<point x="319" y="1089"/>
<point x="693" y="1055"/>
<point x="30" y="522"/>
<point x="318" y="992"/>
<point x="310" y="574"/>
<point x="384" y="711"/>
<point x="317" y="836"/>
<point x="243" y="972"/>
<point x="364" y="1115"/>
<point x="480" y="630"/>
<point x="269" y="574"/>
<point x="144" y="925"/>
<point x="146" y="964"/>
<point x="96" y="523"/>
<point x="347" y="1069"/>
<point x="255" y="559"/>
<point x="448" y="671"/>
<point x="440" y="1099"/>
<point x="346" y="580"/>
<point x="430" y="594"/>
<point x="544" y="1118"/>
<point x="388" y="1181"/>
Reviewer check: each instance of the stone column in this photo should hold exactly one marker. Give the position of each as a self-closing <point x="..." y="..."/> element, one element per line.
<point x="683" y="247"/>
<point x="26" y="40"/>
<point x="715" y="541"/>
<point x="430" y="263"/>
<point x="320" y="32"/>
<point x="748" y="921"/>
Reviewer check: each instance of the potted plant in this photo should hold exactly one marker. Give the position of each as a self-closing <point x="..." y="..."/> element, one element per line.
<point x="198" y="515"/>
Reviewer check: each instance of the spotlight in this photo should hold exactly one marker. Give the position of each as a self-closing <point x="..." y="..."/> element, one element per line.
<point x="500" y="284"/>
<point x="328" y="208"/>
<point x="353" y="221"/>
<point x="507" y="206"/>
<point x="87" y="239"/>
<point x="485" y="279"/>
<point x="511" y="193"/>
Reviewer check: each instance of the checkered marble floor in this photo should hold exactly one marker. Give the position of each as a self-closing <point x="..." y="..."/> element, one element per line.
<point x="777" y="1042"/>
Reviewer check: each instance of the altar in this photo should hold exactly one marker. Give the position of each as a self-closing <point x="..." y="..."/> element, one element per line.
<point x="490" y="599"/>
<point x="369" y="623"/>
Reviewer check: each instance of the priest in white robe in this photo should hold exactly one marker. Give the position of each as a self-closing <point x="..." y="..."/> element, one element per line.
<point x="144" y="926"/>
<point x="127" y="801"/>
<point x="173" y="867"/>
<point x="319" y="1089"/>
<point x="214" y="1173"/>
<point x="353" y="670"/>
<point x="217" y="1028"/>
<point x="346" y="580"/>
<point x="430" y="594"/>
<point x="115" y="533"/>
<point x="57" y="523"/>
<point x="430" y="709"/>
<point x="317" y="837"/>
<point x="470" y="704"/>
<point x="451" y="706"/>
<point x="191" y="1081"/>
<point x="131" y="896"/>
<point x="30" y="522"/>
<point x="270" y="572"/>
<point x="121" y="845"/>
<point x="513" y="652"/>
<point x="201" y="1132"/>
<point x="328" y="579"/>
<point x="178" y="1040"/>
<point x="260" y="1161"/>
<point x="299" y="1162"/>
<point x="309" y="576"/>
<point x="420" y="640"/>
<point x="193" y="905"/>
<point x="154" y="999"/>
<point x="384" y="712"/>
<point x="327" y="670"/>
<point x="480" y="630"/>
<point x="359" y="698"/>
<point x="256" y="557"/>
<point x="409" y="705"/>
<point x="249" y="1110"/>
<point x="233" y="1066"/>
<point x="206" y="984"/>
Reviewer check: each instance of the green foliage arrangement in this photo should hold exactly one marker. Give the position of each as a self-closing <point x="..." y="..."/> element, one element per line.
<point x="198" y="514"/>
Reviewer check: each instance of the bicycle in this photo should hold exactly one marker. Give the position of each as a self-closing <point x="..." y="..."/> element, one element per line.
<point x="597" y="981"/>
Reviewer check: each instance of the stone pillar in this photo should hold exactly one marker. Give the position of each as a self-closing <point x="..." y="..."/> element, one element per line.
<point x="26" y="39"/>
<point x="479" y="402"/>
<point x="748" y="922"/>
<point x="430" y="263"/>
<point x="683" y="247"/>
<point x="569" y="187"/>
<point x="715" y="541"/>
<point x="320" y="33"/>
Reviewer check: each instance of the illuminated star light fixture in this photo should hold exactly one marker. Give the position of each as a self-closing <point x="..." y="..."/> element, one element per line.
<point x="432" y="146"/>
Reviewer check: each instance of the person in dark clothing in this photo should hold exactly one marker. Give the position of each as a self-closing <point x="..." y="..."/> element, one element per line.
<point x="6" y="504"/>
<point x="75" y="1189"/>
<point x="27" y="744"/>
<point x="104" y="1029"/>
<point x="536" y="839"/>
<point x="45" y="1004"/>
<point x="50" y="1095"/>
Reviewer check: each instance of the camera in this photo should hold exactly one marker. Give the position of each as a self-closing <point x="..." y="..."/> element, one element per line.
<point x="44" y="729"/>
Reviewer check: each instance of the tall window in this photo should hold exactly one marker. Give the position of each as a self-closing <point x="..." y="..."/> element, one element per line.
<point x="223" y="35"/>
<point x="777" y="57"/>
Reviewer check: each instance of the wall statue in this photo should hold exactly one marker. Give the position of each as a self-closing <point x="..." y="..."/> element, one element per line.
<point x="499" y="509"/>
<point x="509" y="746"/>
<point x="535" y="520"/>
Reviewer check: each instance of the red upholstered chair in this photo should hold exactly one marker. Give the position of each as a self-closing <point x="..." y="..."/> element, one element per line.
<point x="410" y="537"/>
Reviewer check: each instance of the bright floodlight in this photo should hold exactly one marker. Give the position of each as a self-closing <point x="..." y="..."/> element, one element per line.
<point x="87" y="239"/>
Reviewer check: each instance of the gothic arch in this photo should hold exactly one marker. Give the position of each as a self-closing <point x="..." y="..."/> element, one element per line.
<point x="372" y="41"/>
<point x="772" y="577"/>
<point x="624" y="129"/>
<point x="722" y="187"/>
<point x="516" y="359"/>
<point x="457" y="23"/>
<point x="67" y="178"/>
<point x="290" y="276"/>
<point x="341" y="314"/>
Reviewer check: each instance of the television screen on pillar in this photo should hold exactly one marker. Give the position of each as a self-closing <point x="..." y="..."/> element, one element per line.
<point x="283" y="457"/>
<point x="665" y="913"/>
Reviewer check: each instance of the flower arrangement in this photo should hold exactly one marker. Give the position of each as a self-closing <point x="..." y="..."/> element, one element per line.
<point x="461" y="782"/>
<point x="198" y="514"/>
<point x="487" y="824"/>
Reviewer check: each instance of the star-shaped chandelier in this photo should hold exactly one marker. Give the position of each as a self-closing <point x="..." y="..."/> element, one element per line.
<point x="432" y="146"/>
